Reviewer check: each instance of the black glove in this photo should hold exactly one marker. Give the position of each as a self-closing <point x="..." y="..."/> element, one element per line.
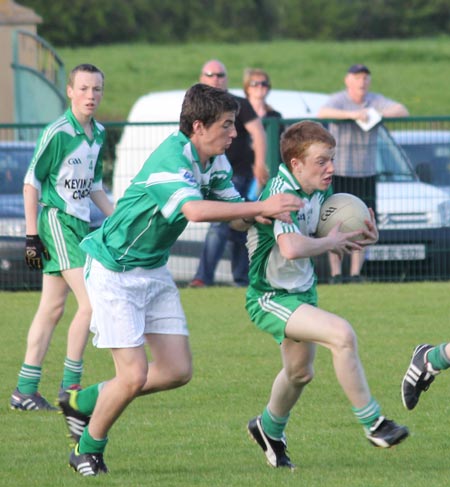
<point x="34" y="248"/>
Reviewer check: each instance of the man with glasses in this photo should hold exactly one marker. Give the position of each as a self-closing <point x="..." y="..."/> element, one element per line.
<point x="247" y="156"/>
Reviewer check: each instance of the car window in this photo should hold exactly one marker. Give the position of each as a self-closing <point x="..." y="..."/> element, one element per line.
<point x="13" y="165"/>
<point x="431" y="162"/>
<point x="392" y="163"/>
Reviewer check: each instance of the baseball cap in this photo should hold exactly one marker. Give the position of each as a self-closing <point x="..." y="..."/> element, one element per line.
<point x="358" y="68"/>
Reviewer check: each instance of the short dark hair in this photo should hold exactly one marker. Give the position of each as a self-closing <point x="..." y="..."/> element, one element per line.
<point x="297" y="139"/>
<point x="207" y="104"/>
<point x="87" y="68"/>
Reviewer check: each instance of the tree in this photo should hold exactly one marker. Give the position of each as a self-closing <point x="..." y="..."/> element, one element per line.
<point x="87" y="22"/>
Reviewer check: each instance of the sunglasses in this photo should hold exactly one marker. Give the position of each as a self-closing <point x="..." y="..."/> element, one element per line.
<point x="266" y="84"/>
<point x="217" y="75"/>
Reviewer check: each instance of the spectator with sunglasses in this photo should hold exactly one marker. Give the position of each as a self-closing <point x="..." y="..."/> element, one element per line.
<point x="256" y="88"/>
<point x="247" y="156"/>
<point x="256" y="84"/>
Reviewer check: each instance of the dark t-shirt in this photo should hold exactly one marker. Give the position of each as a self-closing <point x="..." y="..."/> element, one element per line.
<point x="240" y="153"/>
<point x="273" y="113"/>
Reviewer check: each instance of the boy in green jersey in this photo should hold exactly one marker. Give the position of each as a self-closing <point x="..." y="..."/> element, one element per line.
<point x="282" y="298"/>
<point x="134" y="299"/>
<point x="64" y="174"/>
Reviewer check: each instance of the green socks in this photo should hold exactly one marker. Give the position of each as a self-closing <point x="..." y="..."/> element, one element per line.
<point x="29" y="378"/>
<point x="84" y="401"/>
<point x="87" y="398"/>
<point x="368" y="414"/>
<point x="272" y="425"/>
<point x="72" y="372"/>
<point x="438" y="358"/>
<point x="88" y="444"/>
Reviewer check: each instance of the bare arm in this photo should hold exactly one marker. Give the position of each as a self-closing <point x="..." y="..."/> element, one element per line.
<point x="256" y="130"/>
<point x="35" y="250"/>
<point x="213" y="211"/>
<point x="338" y="114"/>
<point x="396" y="110"/>
<point x="243" y="224"/>
<point x="31" y="200"/>
<point x="102" y="201"/>
<point x="297" y="246"/>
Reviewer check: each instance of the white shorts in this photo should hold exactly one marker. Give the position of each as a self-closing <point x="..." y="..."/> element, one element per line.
<point x="128" y="305"/>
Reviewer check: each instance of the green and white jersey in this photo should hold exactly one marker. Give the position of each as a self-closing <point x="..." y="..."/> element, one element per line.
<point x="269" y="270"/>
<point x="148" y="218"/>
<point x="67" y="166"/>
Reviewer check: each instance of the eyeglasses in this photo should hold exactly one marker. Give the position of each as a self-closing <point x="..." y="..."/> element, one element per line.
<point x="209" y="74"/>
<point x="266" y="84"/>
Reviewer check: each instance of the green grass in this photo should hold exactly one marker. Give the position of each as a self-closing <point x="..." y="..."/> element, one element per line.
<point x="414" y="72"/>
<point x="195" y="436"/>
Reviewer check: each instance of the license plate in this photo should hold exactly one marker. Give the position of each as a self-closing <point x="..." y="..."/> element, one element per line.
<point x="396" y="252"/>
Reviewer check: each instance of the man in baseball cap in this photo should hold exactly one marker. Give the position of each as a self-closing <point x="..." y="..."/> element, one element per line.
<point x="358" y="68"/>
<point x="355" y="158"/>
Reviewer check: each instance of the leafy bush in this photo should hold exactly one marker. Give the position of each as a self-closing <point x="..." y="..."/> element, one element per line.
<point x="85" y="22"/>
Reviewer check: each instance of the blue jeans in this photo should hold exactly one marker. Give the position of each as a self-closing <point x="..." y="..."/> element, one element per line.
<point x="219" y="234"/>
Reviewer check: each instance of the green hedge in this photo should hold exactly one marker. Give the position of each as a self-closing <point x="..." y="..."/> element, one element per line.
<point x="87" y="22"/>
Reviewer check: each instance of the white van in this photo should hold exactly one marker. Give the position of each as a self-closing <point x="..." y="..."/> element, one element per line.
<point x="404" y="203"/>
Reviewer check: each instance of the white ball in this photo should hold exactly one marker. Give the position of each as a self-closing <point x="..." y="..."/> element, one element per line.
<point x="343" y="208"/>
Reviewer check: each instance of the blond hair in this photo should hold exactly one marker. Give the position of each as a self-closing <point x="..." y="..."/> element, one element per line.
<point x="248" y="74"/>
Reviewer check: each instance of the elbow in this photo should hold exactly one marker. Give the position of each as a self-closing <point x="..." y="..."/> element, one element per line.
<point x="289" y="253"/>
<point x="289" y="247"/>
<point x="195" y="218"/>
<point x="192" y="214"/>
<point x="291" y="256"/>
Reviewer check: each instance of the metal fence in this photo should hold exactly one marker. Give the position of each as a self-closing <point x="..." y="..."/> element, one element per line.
<point x="412" y="202"/>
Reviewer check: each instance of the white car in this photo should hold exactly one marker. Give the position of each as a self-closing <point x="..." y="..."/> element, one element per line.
<point x="404" y="203"/>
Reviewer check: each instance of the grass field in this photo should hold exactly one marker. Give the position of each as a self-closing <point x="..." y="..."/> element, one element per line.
<point x="413" y="71"/>
<point x="196" y="435"/>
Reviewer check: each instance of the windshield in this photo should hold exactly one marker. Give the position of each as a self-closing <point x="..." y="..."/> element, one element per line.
<point x="431" y="161"/>
<point x="14" y="162"/>
<point x="392" y="163"/>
